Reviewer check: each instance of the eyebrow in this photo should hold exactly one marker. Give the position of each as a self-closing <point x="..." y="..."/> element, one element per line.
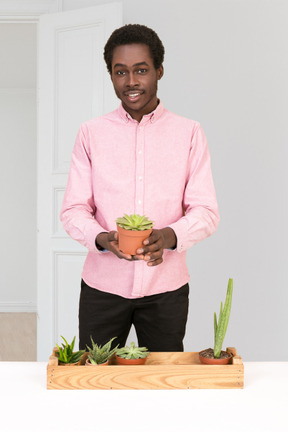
<point x="136" y="64"/>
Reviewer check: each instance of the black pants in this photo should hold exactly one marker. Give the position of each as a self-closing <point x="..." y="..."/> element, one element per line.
<point x="159" y="320"/>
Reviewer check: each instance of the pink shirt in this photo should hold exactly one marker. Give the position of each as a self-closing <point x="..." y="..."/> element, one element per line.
<point x="159" y="167"/>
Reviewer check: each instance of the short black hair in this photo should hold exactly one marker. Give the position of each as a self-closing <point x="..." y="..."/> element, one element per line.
<point x="134" y="33"/>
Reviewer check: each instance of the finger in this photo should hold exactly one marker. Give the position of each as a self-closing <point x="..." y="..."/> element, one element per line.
<point x="154" y="263"/>
<point x="153" y="256"/>
<point x="154" y="237"/>
<point x="124" y="256"/>
<point x="151" y="248"/>
<point x="112" y="236"/>
<point x="138" y="257"/>
<point x="115" y="249"/>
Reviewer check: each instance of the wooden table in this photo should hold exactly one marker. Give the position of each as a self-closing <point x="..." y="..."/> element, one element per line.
<point x="27" y="405"/>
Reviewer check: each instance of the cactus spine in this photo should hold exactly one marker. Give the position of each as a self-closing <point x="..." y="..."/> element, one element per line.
<point x="220" y="327"/>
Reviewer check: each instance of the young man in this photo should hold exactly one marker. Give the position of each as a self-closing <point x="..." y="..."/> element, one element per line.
<point x="141" y="159"/>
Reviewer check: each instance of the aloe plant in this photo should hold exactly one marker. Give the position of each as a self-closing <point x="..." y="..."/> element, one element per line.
<point x="100" y="354"/>
<point x="132" y="352"/>
<point x="65" y="353"/>
<point x="220" y="327"/>
<point x="134" y="222"/>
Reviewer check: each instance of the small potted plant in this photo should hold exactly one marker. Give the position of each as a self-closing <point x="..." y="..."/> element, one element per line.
<point x="133" y="230"/>
<point x="216" y="356"/>
<point x="65" y="354"/>
<point x="132" y="355"/>
<point x="99" y="355"/>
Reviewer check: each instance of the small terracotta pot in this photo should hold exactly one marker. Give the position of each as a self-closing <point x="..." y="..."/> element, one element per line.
<point x="122" y="361"/>
<point x="87" y="363"/>
<point x="214" y="361"/>
<point x="129" y="241"/>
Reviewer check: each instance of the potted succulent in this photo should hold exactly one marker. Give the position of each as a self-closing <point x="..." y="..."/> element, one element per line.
<point x="216" y="356"/>
<point x="133" y="230"/>
<point x="99" y="355"/>
<point x="65" y="354"/>
<point x="132" y="355"/>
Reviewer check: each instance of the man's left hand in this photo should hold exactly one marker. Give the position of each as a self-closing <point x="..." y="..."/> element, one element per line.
<point x="153" y="247"/>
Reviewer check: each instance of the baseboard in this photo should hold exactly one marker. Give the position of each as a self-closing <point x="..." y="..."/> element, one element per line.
<point x="18" y="307"/>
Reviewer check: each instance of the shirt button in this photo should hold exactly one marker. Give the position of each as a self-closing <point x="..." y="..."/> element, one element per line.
<point x="140" y="151"/>
<point x="140" y="178"/>
<point x="139" y="202"/>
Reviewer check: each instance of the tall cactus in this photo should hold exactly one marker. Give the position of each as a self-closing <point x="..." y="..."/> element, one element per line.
<point x="221" y="327"/>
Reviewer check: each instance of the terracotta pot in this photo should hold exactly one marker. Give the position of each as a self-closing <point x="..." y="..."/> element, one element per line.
<point x="122" y="361"/>
<point x="87" y="363"/>
<point x="214" y="361"/>
<point x="130" y="241"/>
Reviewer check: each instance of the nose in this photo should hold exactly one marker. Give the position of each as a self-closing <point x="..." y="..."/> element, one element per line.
<point x="132" y="80"/>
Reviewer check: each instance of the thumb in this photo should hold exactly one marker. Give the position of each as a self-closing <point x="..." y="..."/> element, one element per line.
<point x="113" y="235"/>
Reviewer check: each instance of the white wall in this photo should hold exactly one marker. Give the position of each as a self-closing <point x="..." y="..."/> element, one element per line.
<point x="226" y="66"/>
<point x="18" y="167"/>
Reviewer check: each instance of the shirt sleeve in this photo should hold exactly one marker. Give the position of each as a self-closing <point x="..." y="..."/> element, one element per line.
<point x="201" y="214"/>
<point x="78" y="208"/>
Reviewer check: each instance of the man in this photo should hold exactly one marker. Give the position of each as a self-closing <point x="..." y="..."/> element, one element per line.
<point x="140" y="159"/>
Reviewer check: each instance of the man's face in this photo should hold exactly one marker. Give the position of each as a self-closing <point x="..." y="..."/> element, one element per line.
<point x="135" y="79"/>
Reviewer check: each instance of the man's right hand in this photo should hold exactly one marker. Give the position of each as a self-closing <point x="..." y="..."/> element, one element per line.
<point x="109" y="241"/>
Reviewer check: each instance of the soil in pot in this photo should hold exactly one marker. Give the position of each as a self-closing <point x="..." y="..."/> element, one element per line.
<point x="122" y="361"/>
<point x="130" y="241"/>
<point x="207" y="357"/>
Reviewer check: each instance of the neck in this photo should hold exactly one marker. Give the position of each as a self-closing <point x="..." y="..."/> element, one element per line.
<point x="137" y="115"/>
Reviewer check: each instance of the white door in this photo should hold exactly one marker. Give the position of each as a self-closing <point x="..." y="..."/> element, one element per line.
<point x="73" y="86"/>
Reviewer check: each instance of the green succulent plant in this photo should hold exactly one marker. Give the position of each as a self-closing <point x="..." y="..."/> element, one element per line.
<point x="132" y="352"/>
<point x="100" y="354"/>
<point x="220" y="327"/>
<point x="134" y="222"/>
<point x="65" y="353"/>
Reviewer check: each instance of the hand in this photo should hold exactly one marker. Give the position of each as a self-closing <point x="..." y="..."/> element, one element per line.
<point x="109" y="241"/>
<point x="154" y="246"/>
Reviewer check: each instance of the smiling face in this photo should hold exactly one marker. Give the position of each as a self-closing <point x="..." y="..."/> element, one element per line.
<point x="135" y="79"/>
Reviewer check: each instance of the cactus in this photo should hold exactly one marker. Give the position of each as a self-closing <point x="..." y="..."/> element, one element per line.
<point x="134" y="222"/>
<point x="132" y="352"/>
<point x="220" y="327"/>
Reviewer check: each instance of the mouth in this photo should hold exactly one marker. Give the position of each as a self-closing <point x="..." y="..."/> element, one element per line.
<point x="133" y="95"/>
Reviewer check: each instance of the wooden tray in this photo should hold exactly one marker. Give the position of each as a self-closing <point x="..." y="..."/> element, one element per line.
<point x="163" y="370"/>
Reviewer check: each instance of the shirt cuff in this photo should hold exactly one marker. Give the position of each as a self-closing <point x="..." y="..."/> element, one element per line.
<point x="91" y="234"/>
<point x="180" y="229"/>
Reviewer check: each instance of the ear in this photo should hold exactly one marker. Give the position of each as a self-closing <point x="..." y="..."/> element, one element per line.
<point x="160" y="72"/>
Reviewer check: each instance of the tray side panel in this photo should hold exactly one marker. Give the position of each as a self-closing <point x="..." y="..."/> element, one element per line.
<point x="146" y="377"/>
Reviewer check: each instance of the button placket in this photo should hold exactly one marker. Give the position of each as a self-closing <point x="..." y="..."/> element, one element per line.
<point x="139" y="203"/>
<point x="139" y="174"/>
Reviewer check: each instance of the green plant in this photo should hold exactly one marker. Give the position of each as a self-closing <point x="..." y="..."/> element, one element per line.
<point x="132" y="352"/>
<point x="134" y="222"/>
<point x="65" y="353"/>
<point x="100" y="354"/>
<point x="220" y="327"/>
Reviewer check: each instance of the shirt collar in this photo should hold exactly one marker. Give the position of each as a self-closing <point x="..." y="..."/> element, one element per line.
<point x="152" y="117"/>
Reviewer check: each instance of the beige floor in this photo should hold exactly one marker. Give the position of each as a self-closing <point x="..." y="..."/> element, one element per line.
<point x="18" y="336"/>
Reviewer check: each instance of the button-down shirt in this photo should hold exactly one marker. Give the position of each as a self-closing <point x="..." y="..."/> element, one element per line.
<point x="159" y="167"/>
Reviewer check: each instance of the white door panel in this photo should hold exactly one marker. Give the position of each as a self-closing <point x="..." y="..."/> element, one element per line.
<point x="73" y="86"/>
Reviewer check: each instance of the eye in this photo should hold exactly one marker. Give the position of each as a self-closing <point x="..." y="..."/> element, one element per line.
<point x="142" y="71"/>
<point x="120" y="73"/>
